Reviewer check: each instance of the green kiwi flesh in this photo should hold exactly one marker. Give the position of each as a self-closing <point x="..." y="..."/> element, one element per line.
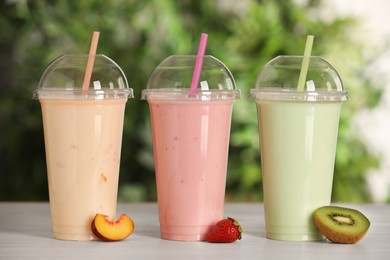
<point x="341" y="225"/>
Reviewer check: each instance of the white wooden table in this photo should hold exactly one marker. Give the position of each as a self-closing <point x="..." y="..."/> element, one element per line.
<point x="25" y="233"/>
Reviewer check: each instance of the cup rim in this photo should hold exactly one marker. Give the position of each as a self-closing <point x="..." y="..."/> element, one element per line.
<point x="186" y="95"/>
<point x="295" y="95"/>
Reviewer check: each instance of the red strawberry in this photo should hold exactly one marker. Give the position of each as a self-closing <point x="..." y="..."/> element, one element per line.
<point x="225" y="231"/>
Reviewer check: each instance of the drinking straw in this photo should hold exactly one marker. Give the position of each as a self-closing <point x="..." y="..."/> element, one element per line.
<point x="198" y="63"/>
<point x="305" y="62"/>
<point x="91" y="60"/>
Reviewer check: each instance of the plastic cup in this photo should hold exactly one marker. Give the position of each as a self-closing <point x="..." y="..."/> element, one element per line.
<point x="83" y="136"/>
<point x="190" y="139"/>
<point x="298" y="136"/>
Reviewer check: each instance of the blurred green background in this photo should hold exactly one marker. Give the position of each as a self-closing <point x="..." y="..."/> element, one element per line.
<point x="138" y="35"/>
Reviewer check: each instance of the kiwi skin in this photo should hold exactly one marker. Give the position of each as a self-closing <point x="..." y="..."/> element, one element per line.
<point x="334" y="231"/>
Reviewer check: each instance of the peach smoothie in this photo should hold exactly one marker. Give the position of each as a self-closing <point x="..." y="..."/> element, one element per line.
<point x="83" y="146"/>
<point x="190" y="140"/>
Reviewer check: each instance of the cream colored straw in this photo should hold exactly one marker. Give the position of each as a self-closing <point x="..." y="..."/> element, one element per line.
<point x="91" y="60"/>
<point x="305" y="63"/>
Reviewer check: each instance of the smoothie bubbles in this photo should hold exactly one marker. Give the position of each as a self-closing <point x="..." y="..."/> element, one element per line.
<point x="190" y="130"/>
<point x="298" y="101"/>
<point x="83" y="101"/>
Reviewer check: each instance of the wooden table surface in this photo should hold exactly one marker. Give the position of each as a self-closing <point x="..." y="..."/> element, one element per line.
<point x="25" y="233"/>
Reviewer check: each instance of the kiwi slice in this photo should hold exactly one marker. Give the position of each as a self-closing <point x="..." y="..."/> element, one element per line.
<point x="341" y="225"/>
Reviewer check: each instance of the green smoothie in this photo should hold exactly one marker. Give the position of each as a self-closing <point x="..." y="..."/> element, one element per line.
<point x="298" y="146"/>
<point x="298" y="135"/>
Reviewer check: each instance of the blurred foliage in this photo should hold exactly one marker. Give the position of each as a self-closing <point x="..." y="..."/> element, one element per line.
<point x="138" y="35"/>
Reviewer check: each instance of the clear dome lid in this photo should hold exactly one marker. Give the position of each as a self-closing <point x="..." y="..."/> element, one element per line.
<point x="171" y="80"/>
<point x="278" y="80"/>
<point x="63" y="79"/>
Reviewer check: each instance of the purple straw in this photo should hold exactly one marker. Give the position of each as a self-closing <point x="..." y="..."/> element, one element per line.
<point x="198" y="63"/>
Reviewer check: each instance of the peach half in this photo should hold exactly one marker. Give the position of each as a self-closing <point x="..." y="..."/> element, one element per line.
<point x="107" y="230"/>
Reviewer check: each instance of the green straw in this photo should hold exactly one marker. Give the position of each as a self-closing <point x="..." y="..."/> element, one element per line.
<point x="305" y="63"/>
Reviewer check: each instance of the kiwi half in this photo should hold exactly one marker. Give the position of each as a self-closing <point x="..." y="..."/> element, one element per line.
<point x="341" y="225"/>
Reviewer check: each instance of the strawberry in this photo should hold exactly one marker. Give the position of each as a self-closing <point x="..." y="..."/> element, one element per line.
<point x="225" y="231"/>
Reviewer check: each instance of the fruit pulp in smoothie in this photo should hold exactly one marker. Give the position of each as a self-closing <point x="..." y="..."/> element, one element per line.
<point x="298" y="146"/>
<point x="190" y="140"/>
<point x="83" y="145"/>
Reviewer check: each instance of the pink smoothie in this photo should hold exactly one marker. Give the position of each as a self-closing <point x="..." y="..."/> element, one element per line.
<point x="190" y="140"/>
